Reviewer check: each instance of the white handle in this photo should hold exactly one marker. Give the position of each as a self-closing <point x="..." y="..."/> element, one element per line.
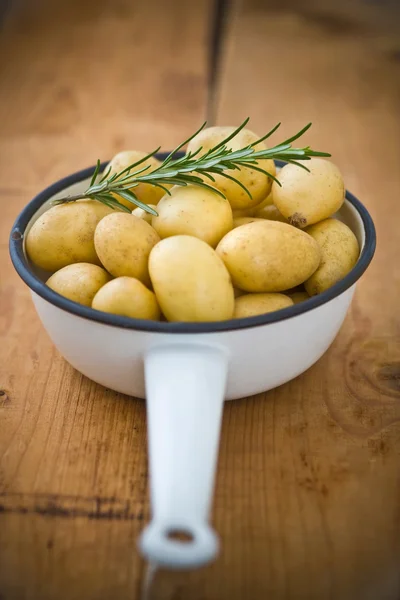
<point x="185" y="387"/>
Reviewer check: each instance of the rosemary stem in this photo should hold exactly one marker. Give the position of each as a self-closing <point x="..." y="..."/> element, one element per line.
<point x="81" y="196"/>
<point x="191" y="169"/>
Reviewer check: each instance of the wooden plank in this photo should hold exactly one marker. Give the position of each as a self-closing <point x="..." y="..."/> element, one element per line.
<point x="308" y="483"/>
<point x="308" y="492"/>
<point x="81" y="80"/>
<point x="307" y="497"/>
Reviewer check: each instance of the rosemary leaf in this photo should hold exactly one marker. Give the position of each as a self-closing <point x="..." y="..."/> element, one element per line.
<point x="130" y="196"/>
<point x="192" y="168"/>
<point x="96" y="172"/>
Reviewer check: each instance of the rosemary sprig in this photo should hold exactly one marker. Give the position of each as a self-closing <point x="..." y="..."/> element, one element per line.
<point x="191" y="169"/>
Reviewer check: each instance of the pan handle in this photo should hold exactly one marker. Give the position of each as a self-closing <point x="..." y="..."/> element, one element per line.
<point x="185" y="388"/>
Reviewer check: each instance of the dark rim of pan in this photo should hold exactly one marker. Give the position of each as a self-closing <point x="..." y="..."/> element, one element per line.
<point x="23" y="268"/>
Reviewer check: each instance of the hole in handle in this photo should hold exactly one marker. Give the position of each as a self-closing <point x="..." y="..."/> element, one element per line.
<point x="183" y="536"/>
<point x="179" y="546"/>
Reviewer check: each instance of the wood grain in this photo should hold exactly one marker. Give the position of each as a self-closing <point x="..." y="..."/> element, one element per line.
<point x="81" y="80"/>
<point x="307" y="498"/>
<point x="322" y="509"/>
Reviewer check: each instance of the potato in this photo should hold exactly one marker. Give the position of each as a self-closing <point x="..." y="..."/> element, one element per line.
<point x="268" y="256"/>
<point x="193" y="210"/>
<point x="339" y="254"/>
<point x="250" y="305"/>
<point x="298" y="297"/>
<point x="123" y="243"/>
<point x="246" y="212"/>
<point x="128" y="297"/>
<point x="258" y="184"/>
<point x="79" y="282"/>
<point x="306" y="198"/>
<point x="266" y="202"/>
<point x="190" y="280"/>
<point x="147" y="193"/>
<point x="244" y="220"/>
<point x="271" y="213"/>
<point x="251" y="212"/>
<point x="64" y="235"/>
<point x="143" y="214"/>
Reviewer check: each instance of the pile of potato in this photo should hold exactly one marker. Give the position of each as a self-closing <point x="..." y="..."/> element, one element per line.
<point x="204" y="257"/>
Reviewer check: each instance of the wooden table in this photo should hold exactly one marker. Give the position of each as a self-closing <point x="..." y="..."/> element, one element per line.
<point x="307" y="495"/>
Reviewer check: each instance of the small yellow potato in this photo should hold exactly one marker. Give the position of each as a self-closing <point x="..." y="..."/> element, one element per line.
<point x="246" y="212"/>
<point x="123" y="243"/>
<point x="258" y="184"/>
<point x="306" y="198"/>
<point x="79" y="282"/>
<point x="266" y="202"/>
<point x="268" y="256"/>
<point x="145" y="192"/>
<point x="244" y="220"/>
<point x="128" y="297"/>
<point x="298" y="297"/>
<point x="339" y="253"/>
<point x="250" y="305"/>
<point x="190" y="281"/>
<point x="251" y="212"/>
<point x="193" y="210"/>
<point x="143" y="214"/>
<point x="64" y="235"/>
<point x="271" y="213"/>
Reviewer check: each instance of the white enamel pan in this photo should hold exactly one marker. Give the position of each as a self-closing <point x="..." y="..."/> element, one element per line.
<point x="185" y="371"/>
